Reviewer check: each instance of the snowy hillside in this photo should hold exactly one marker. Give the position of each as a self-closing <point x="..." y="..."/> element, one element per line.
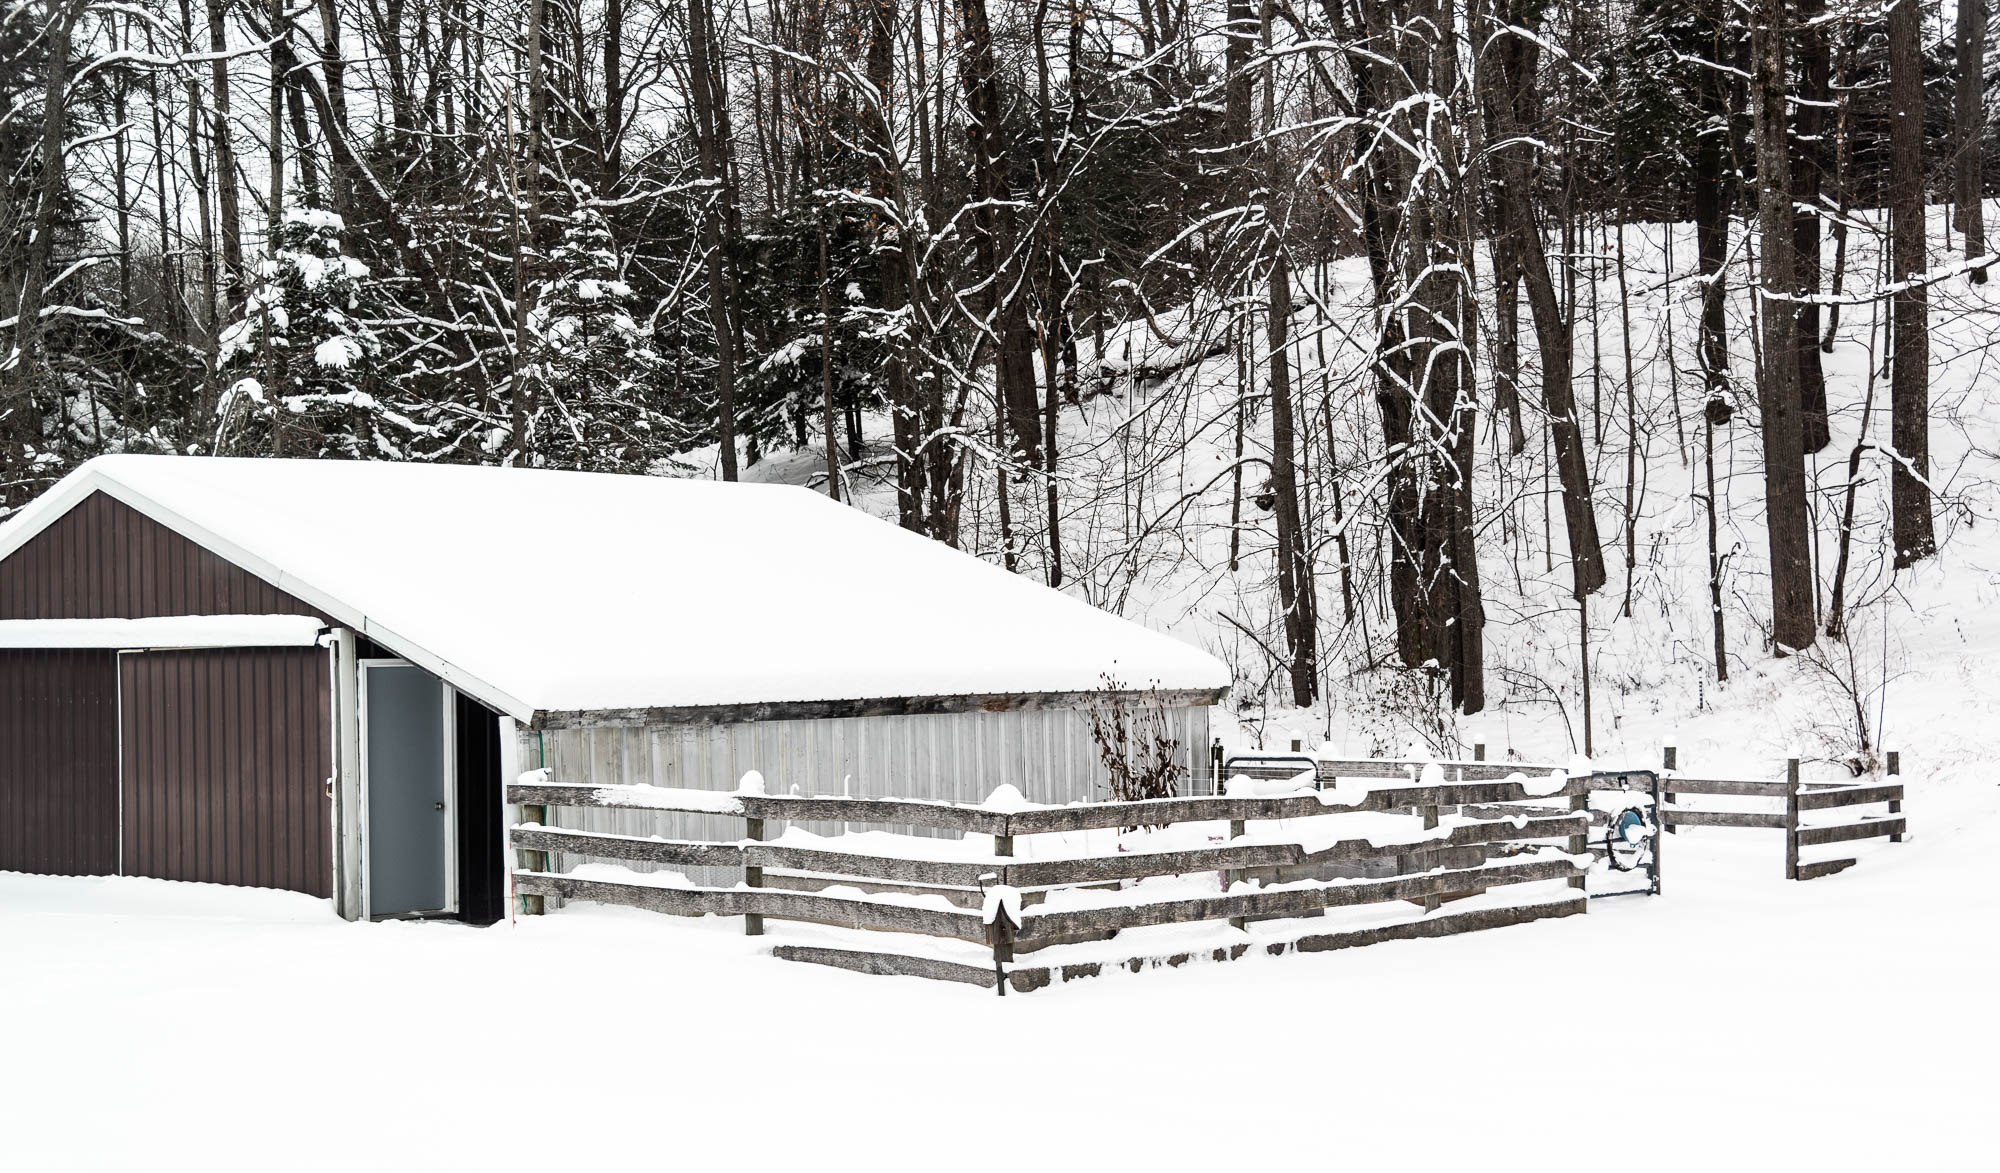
<point x="1146" y="504"/>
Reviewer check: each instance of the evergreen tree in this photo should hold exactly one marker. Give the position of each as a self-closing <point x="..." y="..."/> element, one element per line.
<point x="305" y="356"/>
<point x="594" y="367"/>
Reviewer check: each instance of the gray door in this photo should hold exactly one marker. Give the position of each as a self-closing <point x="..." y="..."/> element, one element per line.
<point x="409" y="804"/>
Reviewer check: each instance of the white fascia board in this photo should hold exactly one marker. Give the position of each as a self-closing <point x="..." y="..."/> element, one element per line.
<point x="37" y="515"/>
<point x="65" y="496"/>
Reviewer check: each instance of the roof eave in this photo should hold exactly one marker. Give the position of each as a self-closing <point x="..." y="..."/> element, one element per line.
<point x="899" y="706"/>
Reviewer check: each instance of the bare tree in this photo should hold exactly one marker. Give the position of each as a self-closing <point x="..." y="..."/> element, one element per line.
<point x="1909" y="383"/>
<point x="1793" y="619"/>
<point x="1969" y="120"/>
<point x="1295" y="578"/>
<point x="1509" y="30"/>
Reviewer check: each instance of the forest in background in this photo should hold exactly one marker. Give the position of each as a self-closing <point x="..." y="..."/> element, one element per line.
<point x="928" y="243"/>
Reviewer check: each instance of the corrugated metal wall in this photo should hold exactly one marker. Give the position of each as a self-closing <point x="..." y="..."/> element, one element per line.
<point x="59" y="762"/>
<point x="957" y="757"/>
<point x="105" y="560"/>
<point x="226" y="758"/>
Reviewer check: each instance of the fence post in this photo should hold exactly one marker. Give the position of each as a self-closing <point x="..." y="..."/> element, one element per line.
<point x="1895" y="771"/>
<point x="1001" y="932"/>
<point x="534" y="861"/>
<point x="1580" y="844"/>
<point x="1229" y="874"/>
<point x="1792" y="819"/>
<point x="1670" y="760"/>
<point x="1478" y="751"/>
<point x="1428" y="858"/>
<point x="1002" y="928"/>
<point x="753" y="877"/>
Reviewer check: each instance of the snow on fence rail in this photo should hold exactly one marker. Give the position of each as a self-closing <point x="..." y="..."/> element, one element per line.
<point x="1457" y="839"/>
<point x="1798" y="797"/>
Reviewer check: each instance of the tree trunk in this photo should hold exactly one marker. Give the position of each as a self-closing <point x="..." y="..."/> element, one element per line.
<point x="1909" y="383"/>
<point x="906" y="415"/>
<point x="1505" y="86"/>
<point x="1712" y="205"/>
<point x="1810" y="164"/>
<point x="1295" y="578"/>
<point x="715" y="211"/>
<point x="1507" y="342"/>
<point x="997" y="237"/>
<point x="1792" y="599"/>
<point x="334" y="68"/>
<point x="120" y="163"/>
<point x="1053" y="324"/>
<point x="223" y="155"/>
<point x="527" y="203"/>
<point x="614" y="94"/>
<point x="1380" y="86"/>
<point x="1970" y="122"/>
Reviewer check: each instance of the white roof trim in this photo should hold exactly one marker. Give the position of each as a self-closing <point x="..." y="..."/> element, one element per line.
<point x="177" y="631"/>
<point x="72" y="489"/>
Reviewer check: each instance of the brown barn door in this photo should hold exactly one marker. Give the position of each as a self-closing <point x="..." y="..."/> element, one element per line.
<point x="226" y="755"/>
<point x="59" y="762"/>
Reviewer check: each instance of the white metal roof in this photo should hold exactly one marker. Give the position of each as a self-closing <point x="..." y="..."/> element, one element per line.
<point x="535" y="589"/>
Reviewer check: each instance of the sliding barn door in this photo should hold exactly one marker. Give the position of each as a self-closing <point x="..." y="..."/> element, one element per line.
<point x="226" y="756"/>
<point x="59" y="762"/>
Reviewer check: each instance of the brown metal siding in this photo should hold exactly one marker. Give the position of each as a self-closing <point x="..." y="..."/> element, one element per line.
<point x="226" y="758"/>
<point x="59" y="762"/>
<point x="105" y="560"/>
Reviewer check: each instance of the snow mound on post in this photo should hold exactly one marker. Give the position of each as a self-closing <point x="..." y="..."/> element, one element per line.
<point x="1002" y="900"/>
<point x="1540" y="785"/>
<point x="1006" y="797"/>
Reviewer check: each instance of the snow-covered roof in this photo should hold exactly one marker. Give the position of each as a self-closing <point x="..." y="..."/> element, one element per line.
<point x="544" y="591"/>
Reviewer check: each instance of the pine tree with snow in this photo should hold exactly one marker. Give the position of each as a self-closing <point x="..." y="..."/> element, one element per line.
<point x="303" y="355"/>
<point x="593" y="364"/>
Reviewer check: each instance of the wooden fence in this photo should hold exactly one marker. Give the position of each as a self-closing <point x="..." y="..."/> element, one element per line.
<point x="1797" y="798"/>
<point x="1471" y="842"/>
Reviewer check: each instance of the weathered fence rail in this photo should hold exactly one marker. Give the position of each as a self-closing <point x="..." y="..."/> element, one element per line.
<point x="1462" y="839"/>
<point x="1798" y="797"/>
<point x="1033" y="873"/>
<point x="1473" y="829"/>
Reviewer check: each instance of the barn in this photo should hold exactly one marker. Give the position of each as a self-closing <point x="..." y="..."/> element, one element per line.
<point x="315" y="675"/>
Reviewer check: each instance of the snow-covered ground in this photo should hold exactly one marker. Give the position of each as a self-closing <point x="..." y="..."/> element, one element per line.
<point x="1738" y="1020"/>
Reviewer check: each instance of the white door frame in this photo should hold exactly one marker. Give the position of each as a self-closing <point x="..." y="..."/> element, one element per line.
<point x="448" y="714"/>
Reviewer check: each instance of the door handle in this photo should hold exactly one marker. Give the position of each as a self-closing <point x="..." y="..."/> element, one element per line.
<point x="440" y="806"/>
